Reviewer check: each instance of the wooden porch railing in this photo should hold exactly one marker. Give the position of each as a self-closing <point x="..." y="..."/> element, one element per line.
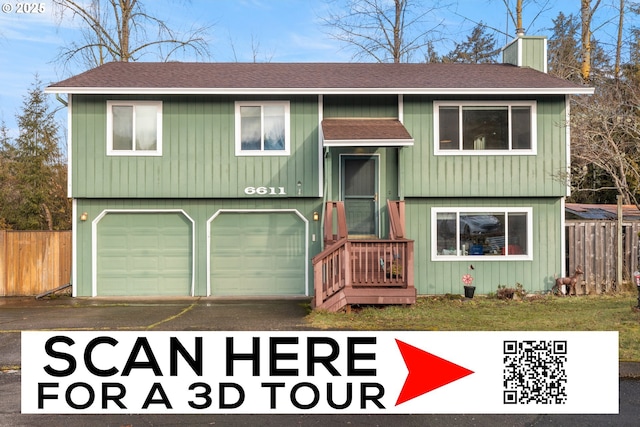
<point x="363" y="271"/>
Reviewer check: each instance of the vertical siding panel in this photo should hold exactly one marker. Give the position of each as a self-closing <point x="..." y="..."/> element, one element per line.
<point x="227" y="143"/>
<point x="222" y="144"/>
<point x="204" y="137"/>
<point x="171" y="168"/>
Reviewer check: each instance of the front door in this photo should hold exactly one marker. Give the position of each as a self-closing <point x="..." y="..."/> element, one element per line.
<point x="360" y="194"/>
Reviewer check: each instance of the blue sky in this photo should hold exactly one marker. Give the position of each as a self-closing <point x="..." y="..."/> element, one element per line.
<point x="283" y="30"/>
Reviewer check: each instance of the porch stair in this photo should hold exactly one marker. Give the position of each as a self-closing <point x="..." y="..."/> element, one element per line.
<point x="363" y="271"/>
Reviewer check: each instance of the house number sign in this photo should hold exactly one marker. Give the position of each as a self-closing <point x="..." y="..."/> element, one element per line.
<point x="265" y="191"/>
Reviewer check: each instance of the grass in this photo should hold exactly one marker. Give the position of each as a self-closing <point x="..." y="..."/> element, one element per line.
<point x="542" y="313"/>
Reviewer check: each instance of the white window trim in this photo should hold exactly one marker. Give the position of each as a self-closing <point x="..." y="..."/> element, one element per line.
<point x="460" y="152"/>
<point x="287" y="130"/>
<point x="133" y="151"/>
<point x="434" y="234"/>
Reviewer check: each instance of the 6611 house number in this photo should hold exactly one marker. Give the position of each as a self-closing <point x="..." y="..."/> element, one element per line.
<point x="265" y="191"/>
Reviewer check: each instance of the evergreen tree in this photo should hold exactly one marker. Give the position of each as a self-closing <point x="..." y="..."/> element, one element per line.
<point x="37" y="173"/>
<point x="7" y="184"/>
<point x="564" y="48"/>
<point x="478" y="48"/>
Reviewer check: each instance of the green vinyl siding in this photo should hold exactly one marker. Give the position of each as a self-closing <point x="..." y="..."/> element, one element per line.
<point x="341" y="106"/>
<point x="257" y="253"/>
<point x="198" y="157"/>
<point x="532" y="50"/>
<point x="442" y="277"/>
<point x="427" y="175"/>
<point x="144" y="254"/>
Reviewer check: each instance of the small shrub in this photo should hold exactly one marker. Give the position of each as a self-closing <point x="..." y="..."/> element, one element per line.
<point x="505" y="292"/>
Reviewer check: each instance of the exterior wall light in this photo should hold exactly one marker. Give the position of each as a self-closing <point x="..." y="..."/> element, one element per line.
<point x="316" y="216"/>
<point x="84" y="216"/>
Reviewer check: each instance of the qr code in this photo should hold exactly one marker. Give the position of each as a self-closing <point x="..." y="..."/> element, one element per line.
<point x="534" y="372"/>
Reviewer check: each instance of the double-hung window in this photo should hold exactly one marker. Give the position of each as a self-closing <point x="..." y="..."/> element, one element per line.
<point x="491" y="127"/>
<point x="481" y="233"/>
<point x="134" y="128"/>
<point x="262" y="128"/>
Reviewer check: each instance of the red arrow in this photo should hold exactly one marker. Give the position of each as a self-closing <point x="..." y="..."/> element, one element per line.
<point x="427" y="372"/>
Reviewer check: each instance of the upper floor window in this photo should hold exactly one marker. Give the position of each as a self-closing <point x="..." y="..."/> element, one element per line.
<point x="491" y="127"/>
<point x="481" y="233"/>
<point x="262" y="128"/>
<point x="134" y="128"/>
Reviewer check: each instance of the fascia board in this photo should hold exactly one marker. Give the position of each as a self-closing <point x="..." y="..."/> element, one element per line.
<point x="318" y="91"/>
<point x="368" y="143"/>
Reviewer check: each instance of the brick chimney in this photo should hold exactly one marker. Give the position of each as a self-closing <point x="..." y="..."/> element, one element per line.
<point x="527" y="51"/>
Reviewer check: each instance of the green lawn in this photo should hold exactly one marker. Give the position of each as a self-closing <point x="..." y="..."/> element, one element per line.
<point x="544" y="313"/>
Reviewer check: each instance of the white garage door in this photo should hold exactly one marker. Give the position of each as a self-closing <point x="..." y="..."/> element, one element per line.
<point x="258" y="253"/>
<point x="144" y="254"/>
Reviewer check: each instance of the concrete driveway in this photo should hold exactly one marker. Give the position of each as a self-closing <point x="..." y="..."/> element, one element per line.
<point x="208" y="314"/>
<point x="137" y="314"/>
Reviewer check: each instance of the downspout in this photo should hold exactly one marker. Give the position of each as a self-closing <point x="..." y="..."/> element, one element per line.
<point x="72" y="278"/>
<point x="400" y="151"/>
<point x="324" y="196"/>
<point x="325" y="154"/>
<point x="62" y="101"/>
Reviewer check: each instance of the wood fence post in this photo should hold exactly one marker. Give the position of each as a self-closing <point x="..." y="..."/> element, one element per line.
<point x="620" y="253"/>
<point x="3" y="263"/>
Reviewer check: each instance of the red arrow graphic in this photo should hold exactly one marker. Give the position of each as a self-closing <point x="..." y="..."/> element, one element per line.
<point x="427" y="372"/>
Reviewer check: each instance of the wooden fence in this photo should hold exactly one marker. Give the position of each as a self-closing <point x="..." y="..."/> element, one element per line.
<point x="32" y="262"/>
<point x="593" y="245"/>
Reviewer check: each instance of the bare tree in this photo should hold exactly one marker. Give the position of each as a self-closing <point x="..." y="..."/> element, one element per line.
<point x="117" y="30"/>
<point x="617" y="67"/>
<point x="387" y="31"/>
<point x="605" y="133"/>
<point x="586" y="16"/>
<point x="255" y="51"/>
<point x="516" y="12"/>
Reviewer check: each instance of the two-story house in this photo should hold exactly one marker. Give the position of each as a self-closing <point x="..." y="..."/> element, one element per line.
<point x="281" y="179"/>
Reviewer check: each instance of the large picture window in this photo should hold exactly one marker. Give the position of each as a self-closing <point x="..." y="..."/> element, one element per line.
<point x="262" y="128"/>
<point x="487" y="233"/>
<point x="485" y="127"/>
<point x="134" y="128"/>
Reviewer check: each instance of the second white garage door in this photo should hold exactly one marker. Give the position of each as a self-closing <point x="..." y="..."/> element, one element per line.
<point x="258" y="254"/>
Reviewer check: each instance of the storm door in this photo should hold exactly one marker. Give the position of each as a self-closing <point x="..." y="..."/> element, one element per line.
<point x="360" y="194"/>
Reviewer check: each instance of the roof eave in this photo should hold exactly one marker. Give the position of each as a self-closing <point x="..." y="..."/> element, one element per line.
<point x="317" y="91"/>
<point x="368" y="142"/>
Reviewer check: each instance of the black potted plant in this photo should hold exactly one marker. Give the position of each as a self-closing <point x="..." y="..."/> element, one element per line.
<point x="467" y="280"/>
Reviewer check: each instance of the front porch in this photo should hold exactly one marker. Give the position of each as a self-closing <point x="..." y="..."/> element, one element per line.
<point x="363" y="271"/>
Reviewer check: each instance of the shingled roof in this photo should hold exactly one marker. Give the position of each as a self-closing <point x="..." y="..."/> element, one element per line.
<point x="313" y="78"/>
<point x="364" y="132"/>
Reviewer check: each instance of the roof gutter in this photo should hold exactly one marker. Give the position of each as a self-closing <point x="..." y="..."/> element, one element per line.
<point x="315" y="91"/>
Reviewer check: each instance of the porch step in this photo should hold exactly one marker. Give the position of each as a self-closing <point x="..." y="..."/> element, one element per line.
<point x="368" y="296"/>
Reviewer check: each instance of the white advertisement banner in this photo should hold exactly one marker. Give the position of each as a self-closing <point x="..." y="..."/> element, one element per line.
<point x="319" y="372"/>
